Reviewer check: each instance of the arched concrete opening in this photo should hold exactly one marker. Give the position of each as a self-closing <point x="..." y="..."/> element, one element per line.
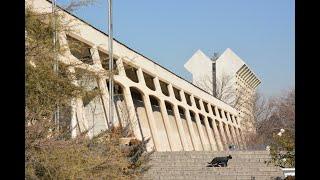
<point x="131" y="72"/>
<point x="104" y="58"/>
<point x="206" y="143"/>
<point x="196" y="130"/>
<point x="93" y="108"/>
<point x="161" y="129"/>
<point x="213" y="110"/>
<point x="164" y="88"/>
<point x="174" y="127"/>
<point x="120" y="106"/>
<point x="80" y="50"/>
<point x="176" y="93"/>
<point x="220" y="113"/>
<point x="139" y="105"/>
<point x="196" y="100"/>
<point x="149" y="81"/>
<point x="205" y="106"/>
<point x="188" y="98"/>
<point x="186" y="129"/>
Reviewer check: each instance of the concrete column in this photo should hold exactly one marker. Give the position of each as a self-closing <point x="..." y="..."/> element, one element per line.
<point x="227" y="129"/>
<point x="170" y="88"/>
<point x="233" y="133"/>
<point x="95" y="56"/>
<point x="222" y="133"/>
<point x="201" y="133"/>
<point x="178" y="120"/>
<point x="180" y="128"/>
<point x="101" y="84"/>
<point x="217" y="135"/>
<point x="83" y="123"/>
<point x="62" y="38"/>
<point x="104" y="89"/>
<point x="79" y="114"/>
<point x="152" y="122"/>
<point x="198" y="122"/>
<point x="157" y="84"/>
<point x="231" y="141"/>
<point x="120" y="67"/>
<point x="167" y="125"/>
<point x="141" y="77"/>
<point x="134" y="122"/>
<point x="239" y="138"/>
<point x="74" y="121"/>
<point x="209" y="132"/>
<point x="188" y="118"/>
<point x="232" y="130"/>
<point x="104" y="98"/>
<point x="192" y="133"/>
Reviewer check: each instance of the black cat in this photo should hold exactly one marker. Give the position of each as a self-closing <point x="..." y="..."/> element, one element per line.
<point x="219" y="161"/>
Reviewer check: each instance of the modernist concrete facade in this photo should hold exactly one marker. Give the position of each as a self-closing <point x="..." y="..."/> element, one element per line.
<point x="156" y="103"/>
<point x="230" y="71"/>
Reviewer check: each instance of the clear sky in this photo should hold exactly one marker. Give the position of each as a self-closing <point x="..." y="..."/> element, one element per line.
<point x="261" y="32"/>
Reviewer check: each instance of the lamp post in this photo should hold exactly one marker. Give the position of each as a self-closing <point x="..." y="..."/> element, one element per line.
<point x="110" y="45"/>
<point x="55" y="59"/>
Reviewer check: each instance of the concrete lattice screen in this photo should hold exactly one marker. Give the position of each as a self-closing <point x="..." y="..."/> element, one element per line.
<point x="170" y="110"/>
<point x="80" y="50"/>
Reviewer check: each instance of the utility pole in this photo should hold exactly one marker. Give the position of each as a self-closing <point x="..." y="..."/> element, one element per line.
<point x="110" y="44"/>
<point x="55" y="59"/>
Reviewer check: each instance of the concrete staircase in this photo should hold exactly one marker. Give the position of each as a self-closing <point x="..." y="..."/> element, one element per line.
<point x="183" y="165"/>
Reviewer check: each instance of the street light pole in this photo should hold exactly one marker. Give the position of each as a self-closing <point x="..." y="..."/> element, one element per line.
<point x="55" y="63"/>
<point x="110" y="44"/>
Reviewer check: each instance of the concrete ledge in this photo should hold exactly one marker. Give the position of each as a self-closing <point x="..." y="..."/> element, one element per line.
<point x="288" y="171"/>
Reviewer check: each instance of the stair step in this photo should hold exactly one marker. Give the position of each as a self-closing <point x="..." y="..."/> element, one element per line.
<point x="192" y="165"/>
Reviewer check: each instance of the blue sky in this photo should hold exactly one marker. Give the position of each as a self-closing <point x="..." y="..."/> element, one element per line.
<point x="261" y="32"/>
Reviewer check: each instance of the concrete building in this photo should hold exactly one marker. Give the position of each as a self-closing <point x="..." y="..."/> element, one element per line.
<point x="155" y="102"/>
<point x="228" y="78"/>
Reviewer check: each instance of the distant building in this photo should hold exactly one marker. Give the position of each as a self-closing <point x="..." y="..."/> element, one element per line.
<point x="228" y="78"/>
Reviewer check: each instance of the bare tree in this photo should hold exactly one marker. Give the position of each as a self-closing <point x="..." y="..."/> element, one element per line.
<point x="224" y="88"/>
<point x="273" y="114"/>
